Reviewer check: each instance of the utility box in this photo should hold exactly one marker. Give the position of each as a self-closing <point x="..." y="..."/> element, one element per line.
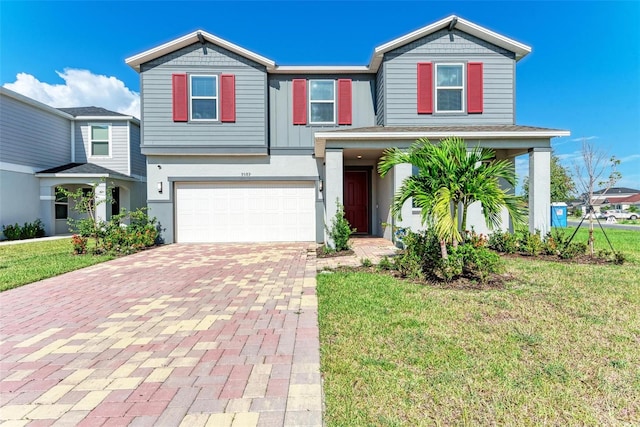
<point x="559" y="215"/>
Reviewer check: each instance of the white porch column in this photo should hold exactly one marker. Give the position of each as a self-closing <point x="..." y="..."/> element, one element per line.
<point x="333" y="186"/>
<point x="102" y="207"/>
<point x="400" y="172"/>
<point x="47" y="208"/>
<point x="539" y="189"/>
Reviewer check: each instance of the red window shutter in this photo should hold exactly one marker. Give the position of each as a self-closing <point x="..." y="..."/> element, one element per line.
<point x="425" y="88"/>
<point x="344" y="102"/>
<point x="180" y="98"/>
<point x="228" y="98"/>
<point x="299" y="102"/>
<point x="475" y="99"/>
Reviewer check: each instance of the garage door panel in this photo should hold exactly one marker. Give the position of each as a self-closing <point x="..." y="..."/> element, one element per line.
<point x="245" y="212"/>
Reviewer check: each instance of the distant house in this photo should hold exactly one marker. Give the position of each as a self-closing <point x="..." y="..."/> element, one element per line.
<point x="616" y="198"/>
<point x="242" y="149"/>
<point x="43" y="149"/>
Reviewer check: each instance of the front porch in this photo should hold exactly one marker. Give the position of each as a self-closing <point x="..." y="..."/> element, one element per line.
<point x="350" y="173"/>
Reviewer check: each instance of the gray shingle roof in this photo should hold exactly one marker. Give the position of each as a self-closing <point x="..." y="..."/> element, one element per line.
<point x="448" y="129"/>
<point x="90" y="111"/>
<point x="84" y="169"/>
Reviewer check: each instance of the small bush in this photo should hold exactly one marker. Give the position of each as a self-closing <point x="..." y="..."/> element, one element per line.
<point x="619" y="258"/>
<point x="503" y="241"/>
<point x="480" y="261"/>
<point x="120" y="238"/>
<point x="385" y="264"/>
<point x="340" y="230"/>
<point x="573" y="250"/>
<point x="366" y="262"/>
<point x="30" y="230"/>
<point x="12" y="232"/>
<point x="531" y="244"/>
<point x="79" y="244"/>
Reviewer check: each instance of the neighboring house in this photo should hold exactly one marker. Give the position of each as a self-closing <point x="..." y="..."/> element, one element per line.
<point x="616" y="198"/>
<point x="43" y="149"/>
<point x="241" y="149"/>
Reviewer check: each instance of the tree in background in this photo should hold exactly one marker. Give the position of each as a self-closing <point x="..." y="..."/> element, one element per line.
<point x="589" y="173"/>
<point x="562" y="186"/>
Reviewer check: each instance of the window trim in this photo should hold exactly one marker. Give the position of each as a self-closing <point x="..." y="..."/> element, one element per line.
<point x="109" y="141"/>
<point x="463" y="88"/>
<point x="323" y="101"/>
<point x="216" y="97"/>
<point x="60" y="200"/>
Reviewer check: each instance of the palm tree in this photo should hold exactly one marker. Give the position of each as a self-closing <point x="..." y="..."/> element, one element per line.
<point x="450" y="178"/>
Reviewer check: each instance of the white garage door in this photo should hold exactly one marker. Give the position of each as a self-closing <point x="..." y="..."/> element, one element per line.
<point x="253" y="211"/>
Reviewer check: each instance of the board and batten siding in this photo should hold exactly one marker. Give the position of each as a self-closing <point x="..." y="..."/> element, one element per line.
<point x="400" y="79"/>
<point x="380" y="96"/>
<point x="138" y="160"/>
<point x="249" y="128"/>
<point x="33" y="137"/>
<point x="118" y="151"/>
<point x="284" y="135"/>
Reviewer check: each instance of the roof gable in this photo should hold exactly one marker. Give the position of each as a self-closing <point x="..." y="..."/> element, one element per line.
<point x="189" y="39"/>
<point x="450" y="22"/>
<point x="520" y="50"/>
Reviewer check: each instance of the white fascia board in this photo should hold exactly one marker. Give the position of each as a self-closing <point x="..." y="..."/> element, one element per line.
<point x="109" y="118"/>
<point x="462" y="24"/>
<point x="426" y="134"/>
<point x="146" y="56"/>
<point x="321" y="69"/>
<point x="32" y="102"/>
<point x="83" y="176"/>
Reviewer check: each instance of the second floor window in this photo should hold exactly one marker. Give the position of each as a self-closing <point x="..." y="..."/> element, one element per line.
<point x="204" y="98"/>
<point x="449" y="88"/>
<point x="100" y="137"/>
<point x="322" y="101"/>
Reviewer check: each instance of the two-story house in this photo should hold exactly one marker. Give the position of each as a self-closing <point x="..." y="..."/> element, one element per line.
<point x="241" y="149"/>
<point x="44" y="149"/>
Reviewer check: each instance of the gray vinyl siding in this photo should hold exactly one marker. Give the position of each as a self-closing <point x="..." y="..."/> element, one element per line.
<point x="33" y="137"/>
<point x="400" y="82"/>
<point x="138" y="161"/>
<point x="284" y="135"/>
<point x="118" y="150"/>
<point x="249" y="129"/>
<point x="380" y="96"/>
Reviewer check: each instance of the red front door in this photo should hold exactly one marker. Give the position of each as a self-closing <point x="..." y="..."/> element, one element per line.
<point x="356" y="200"/>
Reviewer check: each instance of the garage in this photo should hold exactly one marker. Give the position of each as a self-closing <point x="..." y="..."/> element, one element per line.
<point x="248" y="211"/>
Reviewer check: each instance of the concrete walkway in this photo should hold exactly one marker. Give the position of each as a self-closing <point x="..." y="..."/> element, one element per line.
<point x="194" y="335"/>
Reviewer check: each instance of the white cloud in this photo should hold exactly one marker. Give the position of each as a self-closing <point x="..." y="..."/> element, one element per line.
<point x="81" y="88"/>
<point x="584" y="138"/>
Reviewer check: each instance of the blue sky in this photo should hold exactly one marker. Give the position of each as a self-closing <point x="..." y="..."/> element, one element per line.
<point x="583" y="74"/>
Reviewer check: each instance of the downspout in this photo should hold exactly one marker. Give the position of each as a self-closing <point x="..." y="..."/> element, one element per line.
<point x="73" y="141"/>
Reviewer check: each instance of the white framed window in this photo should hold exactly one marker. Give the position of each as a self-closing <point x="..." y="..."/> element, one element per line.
<point x="61" y="204"/>
<point x="100" y="136"/>
<point x="450" y="83"/>
<point x="203" y="97"/>
<point x="322" y="101"/>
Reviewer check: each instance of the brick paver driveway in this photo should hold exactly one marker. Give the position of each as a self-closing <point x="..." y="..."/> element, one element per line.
<point x="183" y="334"/>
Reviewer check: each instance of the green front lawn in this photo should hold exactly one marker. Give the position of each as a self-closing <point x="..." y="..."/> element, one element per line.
<point x="558" y="346"/>
<point x="29" y="262"/>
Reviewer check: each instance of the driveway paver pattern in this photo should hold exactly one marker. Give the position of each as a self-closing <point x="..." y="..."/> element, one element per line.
<point x="194" y="335"/>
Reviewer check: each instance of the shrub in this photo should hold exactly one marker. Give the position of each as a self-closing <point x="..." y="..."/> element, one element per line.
<point x="503" y="241"/>
<point x="573" y="250"/>
<point x="340" y="230"/>
<point x="480" y="261"/>
<point x="531" y="244"/>
<point x="30" y="230"/>
<point x="366" y="262"/>
<point x="12" y="232"/>
<point x="120" y="238"/>
<point x="385" y="264"/>
<point x="79" y="244"/>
